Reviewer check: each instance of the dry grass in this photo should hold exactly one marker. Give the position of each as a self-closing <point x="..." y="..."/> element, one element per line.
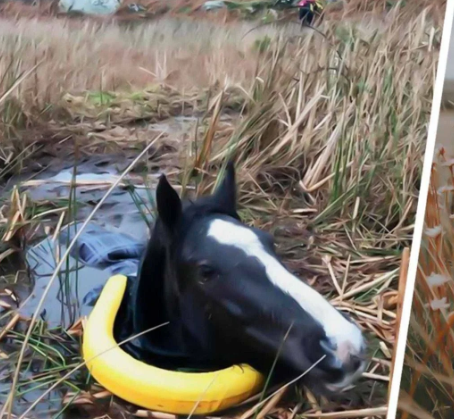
<point x="86" y="55"/>
<point x="429" y="373"/>
<point x="328" y="134"/>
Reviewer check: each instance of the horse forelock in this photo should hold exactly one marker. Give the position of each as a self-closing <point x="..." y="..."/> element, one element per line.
<point x="207" y="206"/>
<point x="194" y="211"/>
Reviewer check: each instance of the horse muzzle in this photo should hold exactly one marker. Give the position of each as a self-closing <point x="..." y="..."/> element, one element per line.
<point x="344" y="358"/>
<point x="349" y="379"/>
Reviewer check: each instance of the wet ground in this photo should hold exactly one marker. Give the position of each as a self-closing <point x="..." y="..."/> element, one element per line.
<point x="126" y="214"/>
<point x="122" y="221"/>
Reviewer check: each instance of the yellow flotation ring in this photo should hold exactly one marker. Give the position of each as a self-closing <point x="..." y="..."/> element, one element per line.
<point x="151" y="387"/>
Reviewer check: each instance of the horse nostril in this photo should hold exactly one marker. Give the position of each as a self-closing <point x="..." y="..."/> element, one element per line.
<point x="355" y="362"/>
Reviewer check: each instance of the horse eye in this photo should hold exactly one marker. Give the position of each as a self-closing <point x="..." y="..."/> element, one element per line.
<point x="207" y="273"/>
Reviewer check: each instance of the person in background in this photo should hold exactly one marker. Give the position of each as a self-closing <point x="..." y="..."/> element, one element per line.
<point x="308" y="10"/>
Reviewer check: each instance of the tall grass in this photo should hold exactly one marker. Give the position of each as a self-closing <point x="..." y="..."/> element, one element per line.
<point x="429" y="373"/>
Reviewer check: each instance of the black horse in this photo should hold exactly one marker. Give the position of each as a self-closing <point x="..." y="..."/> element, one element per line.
<point x="229" y="299"/>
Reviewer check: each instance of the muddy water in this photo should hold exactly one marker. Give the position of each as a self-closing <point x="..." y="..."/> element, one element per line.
<point x="69" y="298"/>
<point x="127" y="212"/>
<point x="120" y="214"/>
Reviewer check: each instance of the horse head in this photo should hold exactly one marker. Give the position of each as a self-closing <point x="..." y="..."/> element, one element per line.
<point x="230" y="298"/>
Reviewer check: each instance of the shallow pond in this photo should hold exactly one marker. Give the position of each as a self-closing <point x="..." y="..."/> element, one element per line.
<point x="111" y="243"/>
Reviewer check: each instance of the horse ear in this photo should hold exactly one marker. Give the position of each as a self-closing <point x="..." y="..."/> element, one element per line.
<point x="168" y="203"/>
<point x="225" y="194"/>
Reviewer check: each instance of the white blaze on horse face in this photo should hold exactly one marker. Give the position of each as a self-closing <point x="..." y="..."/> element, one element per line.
<point x="345" y="335"/>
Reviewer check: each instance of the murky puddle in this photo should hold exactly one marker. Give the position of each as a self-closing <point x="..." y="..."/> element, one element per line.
<point x="123" y="220"/>
<point x="111" y="243"/>
<point x="119" y="226"/>
<point x="124" y="216"/>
